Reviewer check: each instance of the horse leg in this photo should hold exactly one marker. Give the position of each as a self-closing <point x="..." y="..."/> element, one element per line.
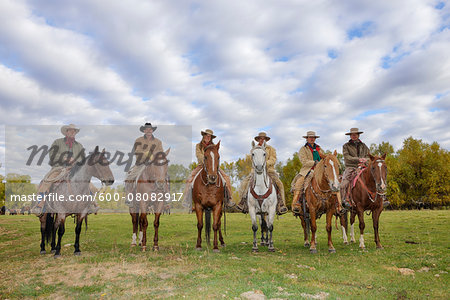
<point x="330" y="214"/>
<point x="199" y="213"/>
<point x="217" y="212"/>
<point x="43" y="235"/>
<point x="305" y="233"/>
<point x="61" y="229"/>
<point x="343" y="220"/>
<point x="362" y="225"/>
<point x="143" y="223"/>
<point x="252" y="213"/>
<point x="272" y="212"/>
<point x="135" y="220"/>
<point x="156" y="227"/>
<point x="352" y="227"/>
<point x="313" y="247"/>
<point x="77" y="235"/>
<point x="375" y="219"/>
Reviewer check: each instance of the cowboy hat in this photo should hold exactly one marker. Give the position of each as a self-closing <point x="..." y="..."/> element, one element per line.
<point x="147" y="125"/>
<point x="263" y="135"/>
<point x="67" y="127"/>
<point x="210" y="132"/>
<point x="354" y="130"/>
<point x="311" y="134"/>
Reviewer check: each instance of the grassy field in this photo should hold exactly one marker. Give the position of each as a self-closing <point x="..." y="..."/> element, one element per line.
<point x="109" y="268"/>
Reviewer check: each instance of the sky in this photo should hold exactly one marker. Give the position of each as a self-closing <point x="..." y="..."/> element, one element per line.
<point x="237" y="67"/>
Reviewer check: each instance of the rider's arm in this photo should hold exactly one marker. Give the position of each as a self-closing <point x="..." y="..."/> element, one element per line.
<point x="304" y="158"/>
<point x="271" y="157"/>
<point x="348" y="158"/>
<point x="199" y="153"/>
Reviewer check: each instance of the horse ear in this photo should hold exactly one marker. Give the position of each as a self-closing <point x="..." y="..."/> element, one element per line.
<point x="371" y="157"/>
<point x="218" y="146"/>
<point x="96" y="149"/>
<point x="335" y="153"/>
<point x="253" y="144"/>
<point x="103" y="151"/>
<point x="167" y="151"/>
<point x="264" y="144"/>
<point x="384" y="156"/>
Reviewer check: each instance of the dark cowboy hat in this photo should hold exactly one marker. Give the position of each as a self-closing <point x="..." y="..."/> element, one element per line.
<point x="210" y="132"/>
<point x="147" y="125"/>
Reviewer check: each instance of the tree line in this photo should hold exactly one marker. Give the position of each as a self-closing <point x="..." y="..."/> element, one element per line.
<point x="418" y="174"/>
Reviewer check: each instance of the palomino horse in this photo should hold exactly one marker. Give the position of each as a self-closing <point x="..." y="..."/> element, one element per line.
<point x="151" y="190"/>
<point x="321" y="196"/>
<point x="368" y="194"/>
<point x="77" y="199"/>
<point x="208" y="195"/>
<point x="262" y="198"/>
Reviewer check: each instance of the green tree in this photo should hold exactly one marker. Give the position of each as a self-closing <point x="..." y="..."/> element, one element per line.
<point x="380" y="149"/>
<point x="287" y="173"/>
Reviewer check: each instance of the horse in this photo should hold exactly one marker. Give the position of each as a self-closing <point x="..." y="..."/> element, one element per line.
<point x="368" y="193"/>
<point x="76" y="199"/>
<point x="261" y="198"/>
<point x="321" y="196"/>
<point x="25" y="209"/>
<point x="13" y="211"/>
<point x="152" y="186"/>
<point x="208" y="195"/>
<point x="3" y="210"/>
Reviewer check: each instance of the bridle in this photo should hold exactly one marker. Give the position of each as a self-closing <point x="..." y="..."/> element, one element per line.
<point x="373" y="195"/>
<point x="268" y="185"/>
<point x="215" y="182"/>
<point x="328" y="193"/>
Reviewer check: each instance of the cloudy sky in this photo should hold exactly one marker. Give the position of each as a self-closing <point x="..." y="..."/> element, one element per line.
<point x="237" y="67"/>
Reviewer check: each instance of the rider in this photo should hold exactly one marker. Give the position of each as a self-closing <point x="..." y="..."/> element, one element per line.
<point x="356" y="155"/>
<point x="207" y="137"/>
<point x="309" y="154"/>
<point x="145" y="148"/>
<point x="63" y="153"/>
<point x="271" y="159"/>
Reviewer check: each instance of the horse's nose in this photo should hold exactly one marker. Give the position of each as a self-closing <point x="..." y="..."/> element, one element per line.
<point x="213" y="177"/>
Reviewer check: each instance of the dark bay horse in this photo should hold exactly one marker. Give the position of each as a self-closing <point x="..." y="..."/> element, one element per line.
<point x="321" y="196"/>
<point x="150" y="195"/>
<point x="75" y="187"/>
<point x="368" y="194"/>
<point x="208" y="194"/>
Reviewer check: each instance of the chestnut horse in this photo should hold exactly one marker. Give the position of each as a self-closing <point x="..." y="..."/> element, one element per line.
<point x="321" y="196"/>
<point x="368" y="194"/>
<point x="150" y="193"/>
<point x="208" y="194"/>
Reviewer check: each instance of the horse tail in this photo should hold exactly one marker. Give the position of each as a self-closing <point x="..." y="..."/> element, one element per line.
<point x="49" y="223"/>
<point x="85" y="222"/>
<point x="208" y="224"/>
<point x="263" y="224"/>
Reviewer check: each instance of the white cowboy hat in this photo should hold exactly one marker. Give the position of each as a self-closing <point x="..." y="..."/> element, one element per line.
<point x="311" y="134"/>
<point x="210" y="132"/>
<point x="263" y="135"/>
<point x="354" y="130"/>
<point x="67" y="127"/>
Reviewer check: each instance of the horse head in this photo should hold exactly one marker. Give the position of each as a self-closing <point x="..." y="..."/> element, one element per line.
<point x="331" y="171"/>
<point x="211" y="162"/>
<point x="258" y="153"/>
<point x="98" y="166"/>
<point x="378" y="169"/>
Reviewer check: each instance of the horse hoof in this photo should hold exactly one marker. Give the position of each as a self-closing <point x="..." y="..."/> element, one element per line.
<point x="380" y="247"/>
<point x="216" y="250"/>
<point x="77" y="253"/>
<point x="363" y="249"/>
<point x="313" y="251"/>
<point x="352" y="241"/>
<point x="53" y="251"/>
<point x="223" y="245"/>
<point x="271" y="249"/>
<point x="254" y="249"/>
<point x="140" y="244"/>
<point x="332" y="250"/>
<point x="144" y="248"/>
<point x="155" y="248"/>
<point x="133" y="245"/>
<point x="307" y="245"/>
<point x="198" y="248"/>
<point x="345" y="243"/>
<point x="57" y="256"/>
<point x="43" y="252"/>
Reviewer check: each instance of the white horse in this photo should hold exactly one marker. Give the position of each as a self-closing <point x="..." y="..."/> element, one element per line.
<point x="261" y="197"/>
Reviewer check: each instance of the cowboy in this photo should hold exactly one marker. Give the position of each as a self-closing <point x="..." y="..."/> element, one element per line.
<point x="310" y="154"/>
<point x="145" y="148"/>
<point x="207" y="137"/>
<point x="356" y="155"/>
<point x="271" y="159"/>
<point x="63" y="153"/>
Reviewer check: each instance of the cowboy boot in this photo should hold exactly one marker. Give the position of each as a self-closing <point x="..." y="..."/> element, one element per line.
<point x="296" y="206"/>
<point x="243" y="205"/>
<point x="281" y="205"/>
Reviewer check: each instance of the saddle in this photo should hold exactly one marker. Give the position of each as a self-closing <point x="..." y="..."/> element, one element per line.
<point x="54" y="178"/>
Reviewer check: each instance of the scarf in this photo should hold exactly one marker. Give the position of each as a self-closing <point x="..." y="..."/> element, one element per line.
<point x="69" y="142"/>
<point x="315" y="151"/>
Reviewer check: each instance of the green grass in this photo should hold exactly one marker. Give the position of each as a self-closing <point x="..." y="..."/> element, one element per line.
<point x="109" y="268"/>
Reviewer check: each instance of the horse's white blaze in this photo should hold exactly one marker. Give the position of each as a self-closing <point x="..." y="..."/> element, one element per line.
<point x="141" y="235"/>
<point x="383" y="184"/>
<point x="352" y="232"/>
<point x="336" y="181"/>
<point x="361" y="241"/>
<point x="212" y="157"/>
<point x="133" y="239"/>
<point x="344" y="234"/>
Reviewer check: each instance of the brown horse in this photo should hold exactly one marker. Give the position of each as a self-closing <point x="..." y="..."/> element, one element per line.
<point x="321" y="196"/>
<point x="151" y="191"/>
<point x="368" y="194"/>
<point x="208" y="194"/>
